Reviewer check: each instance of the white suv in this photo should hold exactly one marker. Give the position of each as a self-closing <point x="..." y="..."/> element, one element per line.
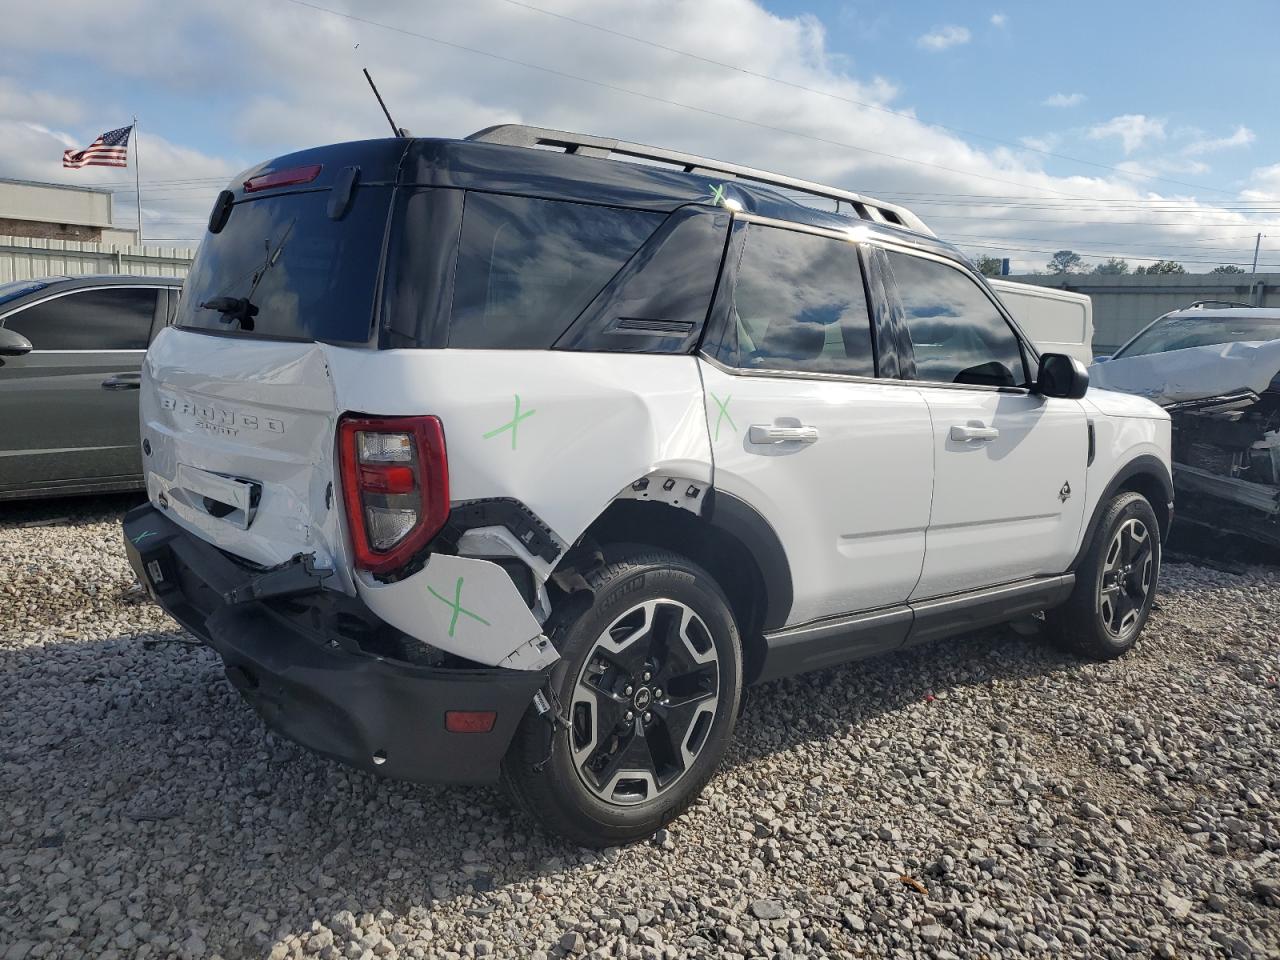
<point x="515" y="457"/>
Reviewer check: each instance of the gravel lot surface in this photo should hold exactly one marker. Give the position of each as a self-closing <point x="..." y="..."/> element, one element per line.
<point x="982" y="798"/>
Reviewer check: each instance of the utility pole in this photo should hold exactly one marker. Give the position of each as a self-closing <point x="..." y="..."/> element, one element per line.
<point x="1256" y="244"/>
<point x="137" y="179"/>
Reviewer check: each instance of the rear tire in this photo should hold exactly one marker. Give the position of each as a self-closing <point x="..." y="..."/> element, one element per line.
<point x="649" y="684"/>
<point x="1115" y="583"/>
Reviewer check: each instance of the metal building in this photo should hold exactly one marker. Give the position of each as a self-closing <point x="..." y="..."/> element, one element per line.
<point x="1123" y="305"/>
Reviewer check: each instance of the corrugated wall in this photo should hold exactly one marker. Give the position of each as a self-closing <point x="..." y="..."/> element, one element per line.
<point x="28" y="258"/>
<point x="1124" y="305"/>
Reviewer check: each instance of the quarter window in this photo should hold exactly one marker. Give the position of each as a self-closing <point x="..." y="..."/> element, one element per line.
<point x="799" y="304"/>
<point x="113" y="319"/>
<point x="957" y="334"/>
<point x="527" y="268"/>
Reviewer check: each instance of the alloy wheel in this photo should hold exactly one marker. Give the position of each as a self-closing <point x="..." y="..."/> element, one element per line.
<point x="644" y="702"/>
<point x="1126" y="578"/>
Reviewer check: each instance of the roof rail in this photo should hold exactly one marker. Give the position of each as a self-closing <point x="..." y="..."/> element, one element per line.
<point x="1218" y="303"/>
<point x="585" y="145"/>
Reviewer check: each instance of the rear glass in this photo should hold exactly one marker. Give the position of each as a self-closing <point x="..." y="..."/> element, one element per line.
<point x="527" y="268"/>
<point x="309" y="276"/>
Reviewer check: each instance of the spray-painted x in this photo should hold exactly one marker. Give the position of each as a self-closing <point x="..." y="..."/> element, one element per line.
<point x="513" y="425"/>
<point x="142" y="536"/>
<point x="717" y="193"/>
<point x="456" y="604"/>
<point x="724" y="413"/>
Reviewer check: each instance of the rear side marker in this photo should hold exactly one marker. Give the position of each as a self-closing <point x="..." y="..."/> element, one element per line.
<point x="469" y="721"/>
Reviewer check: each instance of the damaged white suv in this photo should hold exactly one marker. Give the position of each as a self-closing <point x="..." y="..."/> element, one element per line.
<point x="507" y="457"/>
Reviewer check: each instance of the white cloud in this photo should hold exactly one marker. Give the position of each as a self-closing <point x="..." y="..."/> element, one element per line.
<point x="940" y="38"/>
<point x="1133" y="129"/>
<point x="297" y="83"/>
<point x="1045" y="143"/>
<point x="1242" y="137"/>
<point x="1264" y="184"/>
<point x="1063" y="100"/>
<point x="999" y="20"/>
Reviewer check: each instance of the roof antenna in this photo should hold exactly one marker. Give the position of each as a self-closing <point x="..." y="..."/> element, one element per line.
<point x="395" y="131"/>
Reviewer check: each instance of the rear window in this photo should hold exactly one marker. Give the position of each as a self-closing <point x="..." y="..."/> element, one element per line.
<point x="309" y="276"/>
<point x="527" y="268"/>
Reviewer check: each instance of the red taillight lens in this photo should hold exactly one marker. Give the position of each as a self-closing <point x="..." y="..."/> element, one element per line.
<point x="469" y="721"/>
<point x="283" y="178"/>
<point x="395" y="484"/>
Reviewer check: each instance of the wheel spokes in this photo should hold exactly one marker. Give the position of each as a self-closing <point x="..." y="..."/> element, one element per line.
<point x="644" y="702"/>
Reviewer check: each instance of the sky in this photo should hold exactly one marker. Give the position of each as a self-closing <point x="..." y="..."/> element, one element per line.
<point x="1129" y="129"/>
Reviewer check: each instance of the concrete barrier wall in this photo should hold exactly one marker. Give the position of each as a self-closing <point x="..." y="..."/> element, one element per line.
<point x="29" y="258"/>
<point x="1124" y="305"/>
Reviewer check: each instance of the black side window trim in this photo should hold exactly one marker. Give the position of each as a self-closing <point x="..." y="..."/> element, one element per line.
<point x="153" y="327"/>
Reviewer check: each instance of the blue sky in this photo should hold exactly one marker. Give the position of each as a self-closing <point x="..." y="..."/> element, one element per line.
<point x="1170" y="103"/>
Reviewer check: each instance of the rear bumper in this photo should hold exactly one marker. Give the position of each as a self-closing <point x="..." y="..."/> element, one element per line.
<point x="300" y="661"/>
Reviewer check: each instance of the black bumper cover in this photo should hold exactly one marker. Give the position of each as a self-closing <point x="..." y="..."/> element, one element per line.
<point x="294" y="662"/>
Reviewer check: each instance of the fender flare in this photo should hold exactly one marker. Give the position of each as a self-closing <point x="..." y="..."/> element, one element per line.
<point x="739" y="520"/>
<point x="1144" y="465"/>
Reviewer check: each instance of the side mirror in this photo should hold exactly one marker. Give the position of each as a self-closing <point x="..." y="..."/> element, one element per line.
<point x="1102" y="358"/>
<point x="1061" y="376"/>
<point x="13" y="344"/>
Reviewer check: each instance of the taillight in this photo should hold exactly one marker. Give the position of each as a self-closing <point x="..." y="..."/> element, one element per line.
<point x="283" y="178"/>
<point x="395" y="483"/>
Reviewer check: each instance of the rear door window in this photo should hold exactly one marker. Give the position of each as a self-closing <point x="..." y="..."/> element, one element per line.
<point x="110" y="319"/>
<point x="957" y="334"/>
<point x="799" y="304"/>
<point x="527" y="268"/>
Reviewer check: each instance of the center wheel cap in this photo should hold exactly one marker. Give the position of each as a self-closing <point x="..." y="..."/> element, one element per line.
<point x="643" y="698"/>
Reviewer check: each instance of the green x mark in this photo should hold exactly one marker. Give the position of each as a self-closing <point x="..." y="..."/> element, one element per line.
<point x="142" y="536"/>
<point x="724" y="414"/>
<point x="456" y="604"/>
<point x="717" y="193"/>
<point x="513" y="424"/>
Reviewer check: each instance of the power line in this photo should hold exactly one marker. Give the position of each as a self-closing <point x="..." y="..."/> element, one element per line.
<point x="849" y="100"/>
<point x="656" y="99"/>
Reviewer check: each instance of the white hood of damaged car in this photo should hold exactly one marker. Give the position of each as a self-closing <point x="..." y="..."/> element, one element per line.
<point x="1193" y="373"/>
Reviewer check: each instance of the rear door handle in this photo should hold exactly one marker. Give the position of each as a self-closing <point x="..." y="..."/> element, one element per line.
<point x="123" y="381"/>
<point x="766" y="433"/>
<point x="973" y="431"/>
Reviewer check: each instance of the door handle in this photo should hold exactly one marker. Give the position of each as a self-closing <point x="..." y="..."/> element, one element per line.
<point x="973" y="431"/>
<point x="123" y="381"/>
<point x="766" y="433"/>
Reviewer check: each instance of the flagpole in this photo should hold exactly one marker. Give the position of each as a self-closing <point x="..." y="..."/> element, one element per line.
<point x="137" y="178"/>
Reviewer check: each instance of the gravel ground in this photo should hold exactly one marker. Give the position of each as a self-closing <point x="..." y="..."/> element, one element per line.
<point x="981" y="798"/>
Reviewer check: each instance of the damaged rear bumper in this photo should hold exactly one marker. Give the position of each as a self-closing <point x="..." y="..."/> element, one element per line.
<point x="322" y="670"/>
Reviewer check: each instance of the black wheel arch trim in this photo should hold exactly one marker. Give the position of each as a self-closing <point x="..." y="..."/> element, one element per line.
<point x="1144" y="465"/>
<point x="740" y="520"/>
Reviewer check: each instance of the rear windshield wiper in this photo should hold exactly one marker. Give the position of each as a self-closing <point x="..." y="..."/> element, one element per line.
<point x="233" y="309"/>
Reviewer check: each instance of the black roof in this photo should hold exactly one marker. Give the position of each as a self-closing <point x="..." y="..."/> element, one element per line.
<point x="590" y="176"/>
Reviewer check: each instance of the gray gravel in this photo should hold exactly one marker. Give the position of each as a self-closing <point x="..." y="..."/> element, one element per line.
<point x="988" y="797"/>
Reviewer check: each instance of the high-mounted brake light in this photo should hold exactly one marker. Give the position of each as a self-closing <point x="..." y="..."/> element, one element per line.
<point x="283" y="178"/>
<point x="395" y="484"/>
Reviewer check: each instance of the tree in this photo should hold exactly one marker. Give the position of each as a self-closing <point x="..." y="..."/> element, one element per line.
<point x="1065" y="261"/>
<point x="988" y="266"/>
<point x="1114" y="267"/>
<point x="1162" y="267"/>
<point x="1228" y="268"/>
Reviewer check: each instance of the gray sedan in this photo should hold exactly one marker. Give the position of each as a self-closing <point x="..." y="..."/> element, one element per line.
<point x="71" y="352"/>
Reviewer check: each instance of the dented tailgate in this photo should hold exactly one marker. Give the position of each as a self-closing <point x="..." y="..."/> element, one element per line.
<point x="240" y="434"/>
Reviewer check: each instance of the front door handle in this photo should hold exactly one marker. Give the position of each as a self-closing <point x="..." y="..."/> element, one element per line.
<point x="123" y="381"/>
<point x="767" y="433"/>
<point x="973" y="431"/>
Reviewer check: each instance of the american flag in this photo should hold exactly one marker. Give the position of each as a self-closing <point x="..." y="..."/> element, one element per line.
<point x="109" y="150"/>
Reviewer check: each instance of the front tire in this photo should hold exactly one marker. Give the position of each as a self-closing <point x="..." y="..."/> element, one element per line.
<point x="649" y="685"/>
<point x="1115" y="583"/>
